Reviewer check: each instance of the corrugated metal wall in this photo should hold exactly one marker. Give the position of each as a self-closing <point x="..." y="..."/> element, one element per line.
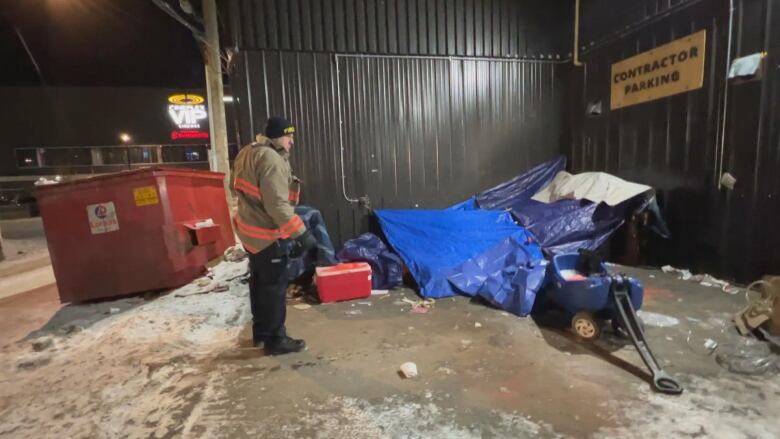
<point x="673" y="143"/>
<point x="605" y="20"/>
<point x="418" y="129"/>
<point x="440" y="99"/>
<point x="491" y="28"/>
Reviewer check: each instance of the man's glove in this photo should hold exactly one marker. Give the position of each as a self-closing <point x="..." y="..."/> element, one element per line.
<point x="302" y="244"/>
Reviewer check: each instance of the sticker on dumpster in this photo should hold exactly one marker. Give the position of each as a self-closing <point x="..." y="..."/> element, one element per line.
<point x="102" y="218"/>
<point x="145" y="196"/>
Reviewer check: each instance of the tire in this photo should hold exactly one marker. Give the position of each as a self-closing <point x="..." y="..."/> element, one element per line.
<point x="585" y="326"/>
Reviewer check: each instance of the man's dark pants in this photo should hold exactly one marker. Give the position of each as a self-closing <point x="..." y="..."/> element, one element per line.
<point x="267" y="291"/>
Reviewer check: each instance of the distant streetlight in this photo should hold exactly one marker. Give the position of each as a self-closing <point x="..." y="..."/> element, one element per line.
<point x="124" y="137"/>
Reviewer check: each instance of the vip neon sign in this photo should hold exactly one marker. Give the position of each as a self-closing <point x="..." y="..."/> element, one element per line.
<point x="187" y="111"/>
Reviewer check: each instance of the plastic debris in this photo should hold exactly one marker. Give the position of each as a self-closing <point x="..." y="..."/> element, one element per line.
<point x="379" y="292"/>
<point x="748" y="357"/>
<point x="477" y="325"/>
<point x="683" y="273"/>
<point x="699" y="343"/>
<point x="420" y="306"/>
<point x="704" y="280"/>
<point x="204" y="224"/>
<point x="203" y="282"/>
<point x="657" y="320"/>
<point x="409" y="370"/>
<point x="235" y="253"/>
<point x="503" y="389"/>
<point x="113" y="310"/>
<point x="728" y="181"/>
<point x="220" y="288"/>
<point x="302" y="306"/>
<point x="354" y="312"/>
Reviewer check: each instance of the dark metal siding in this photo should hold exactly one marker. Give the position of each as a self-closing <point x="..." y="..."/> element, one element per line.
<point x="672" y="143"/>
<point x="417" y="132"/>
<point x="489" y="28"/>
<point x="432" y="110"/>
<point x="602" y="20"/>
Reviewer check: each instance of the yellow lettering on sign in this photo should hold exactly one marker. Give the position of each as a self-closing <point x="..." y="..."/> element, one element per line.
<point x="673" y="68"/>
<point x="145" y="196"/>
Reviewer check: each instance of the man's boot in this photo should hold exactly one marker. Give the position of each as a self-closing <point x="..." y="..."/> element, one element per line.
<point x="284" y="345"/>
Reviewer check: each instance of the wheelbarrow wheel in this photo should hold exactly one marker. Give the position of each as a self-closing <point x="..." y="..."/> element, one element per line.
<point x="585" y="325"/>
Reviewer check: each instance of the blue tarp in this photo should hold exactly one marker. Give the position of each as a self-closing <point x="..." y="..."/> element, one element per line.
<point x="386" y="266"/>
<point x="560" y="227"/>
<point x="514" y="194"/>
<point x="433" y="242"/>
<point x="475" y="247"/>
<point x="472" y="252"/>
<point x="508" y="275"/>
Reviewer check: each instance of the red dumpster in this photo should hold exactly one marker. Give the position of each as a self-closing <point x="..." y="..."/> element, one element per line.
<point x="134" y="231"/>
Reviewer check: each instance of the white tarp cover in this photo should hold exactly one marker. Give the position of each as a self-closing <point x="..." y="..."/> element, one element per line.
<point x="593" y="186"/>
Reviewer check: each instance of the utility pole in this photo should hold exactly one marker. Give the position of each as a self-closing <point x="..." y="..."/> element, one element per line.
<point x="218" y="156"/>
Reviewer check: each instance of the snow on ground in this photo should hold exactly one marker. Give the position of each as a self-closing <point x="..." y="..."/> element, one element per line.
<point x="398" y="417"/>
<point x="137" y="373"/>
<point x="153" y="370"/>
<point x="702" y="410"/>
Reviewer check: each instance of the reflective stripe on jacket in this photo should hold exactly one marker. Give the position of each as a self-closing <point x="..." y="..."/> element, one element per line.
<point x="267" y="192"/>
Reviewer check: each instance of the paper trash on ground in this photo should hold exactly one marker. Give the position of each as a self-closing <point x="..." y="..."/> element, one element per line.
<point x="704" y="280"/>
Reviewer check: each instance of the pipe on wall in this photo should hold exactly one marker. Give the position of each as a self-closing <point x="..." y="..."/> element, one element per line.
<point x="722" y="146"/>
<point x="341" y="136"/>
<point x="337" y="78"/>
<point x="577" y="34"/>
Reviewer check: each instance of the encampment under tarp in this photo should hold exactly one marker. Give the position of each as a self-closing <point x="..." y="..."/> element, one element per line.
<point x="477" y="247"/>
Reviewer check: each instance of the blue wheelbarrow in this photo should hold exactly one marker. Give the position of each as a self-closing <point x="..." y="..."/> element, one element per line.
<point x="582" y="286"/>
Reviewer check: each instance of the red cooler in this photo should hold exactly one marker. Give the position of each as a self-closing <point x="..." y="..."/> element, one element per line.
<point x="344" y="282"/>
<point x="134" y="231"/>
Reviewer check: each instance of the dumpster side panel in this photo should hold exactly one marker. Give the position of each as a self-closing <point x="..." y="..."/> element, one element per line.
<point x="91" y="260"/>
<point x="191" y="201"/>
<point x="134" y="231"/>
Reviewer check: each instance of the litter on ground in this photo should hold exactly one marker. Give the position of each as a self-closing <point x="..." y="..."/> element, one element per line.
<point x="657" y="320"/>
<point x="704" y="280"/>
<point x="409" y="370"/>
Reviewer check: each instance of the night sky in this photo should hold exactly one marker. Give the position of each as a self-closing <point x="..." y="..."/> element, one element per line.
<point x="96" y="43"/>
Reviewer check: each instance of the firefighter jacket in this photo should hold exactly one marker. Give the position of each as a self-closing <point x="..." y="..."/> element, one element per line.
<point x="267" y="192"/>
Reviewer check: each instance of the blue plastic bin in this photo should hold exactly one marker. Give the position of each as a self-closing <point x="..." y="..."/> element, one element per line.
<point x="591" y="294"/>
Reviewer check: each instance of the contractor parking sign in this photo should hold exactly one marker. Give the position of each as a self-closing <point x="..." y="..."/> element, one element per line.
<point x="673" y="68"/>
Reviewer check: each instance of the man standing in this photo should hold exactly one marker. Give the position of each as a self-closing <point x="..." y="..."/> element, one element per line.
<point x="270" y="230"/>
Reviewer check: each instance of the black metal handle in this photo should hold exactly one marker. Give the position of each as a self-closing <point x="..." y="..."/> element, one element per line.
<point x="662" y="381"/>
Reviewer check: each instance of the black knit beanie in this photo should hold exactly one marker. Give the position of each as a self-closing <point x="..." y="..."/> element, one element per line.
<point x="278" y="127"/>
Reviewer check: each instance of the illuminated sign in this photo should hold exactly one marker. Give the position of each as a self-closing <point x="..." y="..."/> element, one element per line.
<point x="188" y="112"/>
<point x="667" y="70"/>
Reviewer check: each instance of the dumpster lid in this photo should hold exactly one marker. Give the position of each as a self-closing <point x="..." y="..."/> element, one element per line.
<point x="152" y="171"/>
